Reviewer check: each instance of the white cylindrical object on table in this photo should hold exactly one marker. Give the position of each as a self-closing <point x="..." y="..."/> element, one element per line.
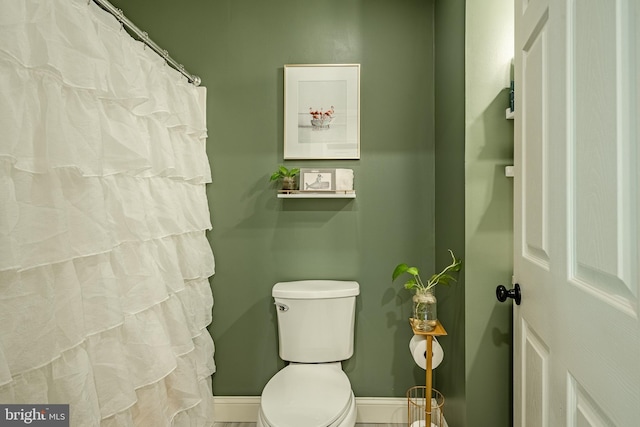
<point x="418" y="348"/>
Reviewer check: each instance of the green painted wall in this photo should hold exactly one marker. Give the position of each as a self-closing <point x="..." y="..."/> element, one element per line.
<point x="260" y="240"/>
<point x="488" y="211"/>
<point x="239" y="49"/>
<point x="450" y="201"/>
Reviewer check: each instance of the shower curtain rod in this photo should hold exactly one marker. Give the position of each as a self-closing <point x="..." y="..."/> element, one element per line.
<point x="144" y="37"/>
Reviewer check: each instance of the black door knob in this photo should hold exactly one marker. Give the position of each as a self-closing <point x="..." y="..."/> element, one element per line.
<point x="502" y="293"/>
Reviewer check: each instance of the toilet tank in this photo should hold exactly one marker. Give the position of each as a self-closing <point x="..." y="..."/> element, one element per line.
<point x="315" y="320"/>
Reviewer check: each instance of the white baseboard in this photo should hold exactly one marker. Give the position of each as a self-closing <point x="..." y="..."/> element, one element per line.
<point x="375" y="410"/>
<point x="382" y="410"/>
<point x="236" y="409"/>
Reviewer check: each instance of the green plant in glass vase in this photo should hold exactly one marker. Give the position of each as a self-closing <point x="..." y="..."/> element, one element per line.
<point x="288" y="177"/>
<point x="425" y="313"/>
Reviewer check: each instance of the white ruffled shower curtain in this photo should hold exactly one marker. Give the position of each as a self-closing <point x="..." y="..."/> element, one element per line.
<point x="104" y="263"/>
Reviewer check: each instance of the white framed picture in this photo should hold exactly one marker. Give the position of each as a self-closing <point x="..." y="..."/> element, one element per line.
<point x="322" y="111"/>
<point x="317" y="180"/>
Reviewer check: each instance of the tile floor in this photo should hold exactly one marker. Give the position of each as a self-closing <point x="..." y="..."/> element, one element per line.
<point x="254" y="425"/>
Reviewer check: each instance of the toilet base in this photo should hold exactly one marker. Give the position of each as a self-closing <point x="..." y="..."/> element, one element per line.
<point x="348" y="419"/>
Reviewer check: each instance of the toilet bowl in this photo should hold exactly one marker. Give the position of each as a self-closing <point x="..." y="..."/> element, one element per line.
<point x="309" y="395"/>
<point x="315" y="333"/>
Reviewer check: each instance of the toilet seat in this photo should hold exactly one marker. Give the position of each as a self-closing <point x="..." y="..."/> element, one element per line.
<point x="309" y="395"/>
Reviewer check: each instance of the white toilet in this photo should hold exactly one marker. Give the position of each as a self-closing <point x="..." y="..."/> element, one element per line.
<point x="315" y="330"/>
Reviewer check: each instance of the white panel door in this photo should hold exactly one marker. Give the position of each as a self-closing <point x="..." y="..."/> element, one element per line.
<point x="576" y="202"/>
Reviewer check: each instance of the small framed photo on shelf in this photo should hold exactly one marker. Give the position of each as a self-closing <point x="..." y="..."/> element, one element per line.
<point x="317" y="180"/>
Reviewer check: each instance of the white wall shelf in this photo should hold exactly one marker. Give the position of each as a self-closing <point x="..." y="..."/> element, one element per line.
<point x="309" y="195"/>
<point x="509" y="114"/>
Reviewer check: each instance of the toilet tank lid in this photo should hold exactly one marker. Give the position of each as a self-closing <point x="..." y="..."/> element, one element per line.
<point x="313" y="289"/>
